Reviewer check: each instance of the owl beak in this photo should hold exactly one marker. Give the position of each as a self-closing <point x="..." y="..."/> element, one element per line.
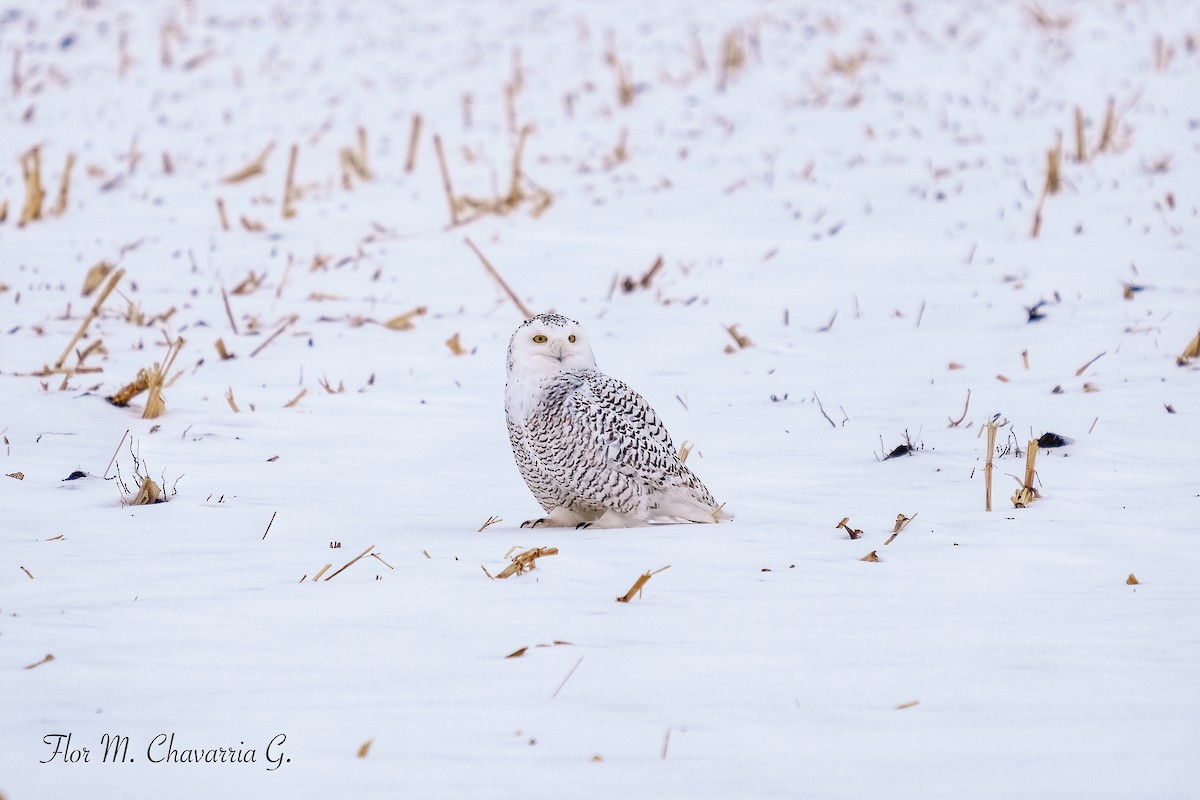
<point x="558" y="350"/>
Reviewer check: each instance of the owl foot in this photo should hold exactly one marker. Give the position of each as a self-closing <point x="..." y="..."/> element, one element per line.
<point x="613" y="519"/>
<point x="558" y="518"/>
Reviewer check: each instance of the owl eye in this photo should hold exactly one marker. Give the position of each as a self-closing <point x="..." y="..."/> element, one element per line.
<point x="540" y="338"/>
<point x="571" y="338"/>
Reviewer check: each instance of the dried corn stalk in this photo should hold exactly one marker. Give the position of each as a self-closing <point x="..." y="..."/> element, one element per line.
<point x="1027" y="493"/>
<point x="524" y="562"/>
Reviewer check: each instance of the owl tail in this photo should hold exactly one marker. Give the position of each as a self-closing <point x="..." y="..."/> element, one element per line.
<point x="692" y="510"/>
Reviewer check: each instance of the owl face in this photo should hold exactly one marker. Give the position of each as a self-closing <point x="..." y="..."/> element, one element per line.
<point x="549" y="343"/>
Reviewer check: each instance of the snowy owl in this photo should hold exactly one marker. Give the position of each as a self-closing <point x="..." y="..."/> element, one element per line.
<point x="591" y="450"/>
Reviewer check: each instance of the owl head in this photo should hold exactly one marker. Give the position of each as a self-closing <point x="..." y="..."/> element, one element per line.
<point x="549" y="343"/>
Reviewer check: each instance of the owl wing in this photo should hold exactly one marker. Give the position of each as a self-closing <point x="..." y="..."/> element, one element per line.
<point x="618" y="451"/>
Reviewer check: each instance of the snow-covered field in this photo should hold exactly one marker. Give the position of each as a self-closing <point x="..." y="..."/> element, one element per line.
<point x="852" y="187"/>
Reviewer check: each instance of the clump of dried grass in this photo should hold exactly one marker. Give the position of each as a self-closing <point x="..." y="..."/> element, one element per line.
<point x="522" y="191"/>
<point x="149" y="492"/>
<point x="152" y="380"/>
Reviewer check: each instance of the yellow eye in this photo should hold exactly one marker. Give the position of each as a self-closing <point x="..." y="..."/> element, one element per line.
<point x="540" y="338"/>
<point x="571" y="338"/>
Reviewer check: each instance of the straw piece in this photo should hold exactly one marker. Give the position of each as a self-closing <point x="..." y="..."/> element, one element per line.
<point x="524" y="562"/>
<point x="289" y="186"/>
<point x="95" y="276"/>
<point x="1027" y="493"/>
<point x="992" y="427"/>
<point x="524" y="309"/>
<point x="91" y="315"/>
<point x="273" y="336"/>
<point x="49" y="657"/>
<point x="347" y="564"/>
<point x="1189" y="352"/>
<point x="64" y="187"/>
<point x="31" y="168"/>
<point x="414" y="139"/>
<point x="636" y="589"/>
<point x="437" y="146"/>
<point x="403" y="322"/>
<point x="255" y="167"/>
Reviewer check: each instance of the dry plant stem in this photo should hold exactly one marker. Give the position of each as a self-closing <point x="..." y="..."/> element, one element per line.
<point x="64" y="188"/>
<point x="154" y="402"/>
<point x="91" y="315"/>
<point x="525" y="561"/>
<point x="273" y="336"/>
<point x="901" y="523"/>
<point x="1027" y="493"/>
<point x="289" y="186"/>
<point x="437" y="146"/>
<point x="1080" y="140"/>
<point x="1080" y="371"/>
<point x="570" y="672"/>
<point x="822" y="408"/>
<point x="299" y="396"/>
<point x="31" y="167"/>
<point x="503" y="284"/>
<point x="269" y="524"/>
<point x="413" y="139"/>
<point x="229" y="311"/>
<point x="987" y="467"/>
<point x="954" y="423"/>
<point x="1191" y="351"/>
<point x="255" y="167"/>
<point x="1110" y="127"/>
<point x="321" y="572"/>
<point x="639" y="583"/>
<point x="114" y="455"/>
<point x="49" y="656"/>
<point x="221" y="213"/>
<point x="363" y="554"/>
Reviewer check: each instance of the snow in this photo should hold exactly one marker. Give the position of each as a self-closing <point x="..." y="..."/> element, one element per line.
<point x="984" y="655"/>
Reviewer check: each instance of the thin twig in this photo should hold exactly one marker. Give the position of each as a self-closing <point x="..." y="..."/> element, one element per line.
<point x="437" y="146"/>
<point x="823" y="414"/>
<point x="524" y="309"/>
<point x="567" y="678"/>
<point x="363" y="554"/>
<point x="954" y="423"/>
<point x="114" y="455"/>
<point x="269" y="524"/>
<point x="229" y="311"/>
<point x="271" y="338"/>
<point x="1080" y="371"/>
<point x="91" y="315"/>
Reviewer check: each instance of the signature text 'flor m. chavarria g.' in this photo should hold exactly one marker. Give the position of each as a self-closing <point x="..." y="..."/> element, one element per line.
<point x="161" y="750"/>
